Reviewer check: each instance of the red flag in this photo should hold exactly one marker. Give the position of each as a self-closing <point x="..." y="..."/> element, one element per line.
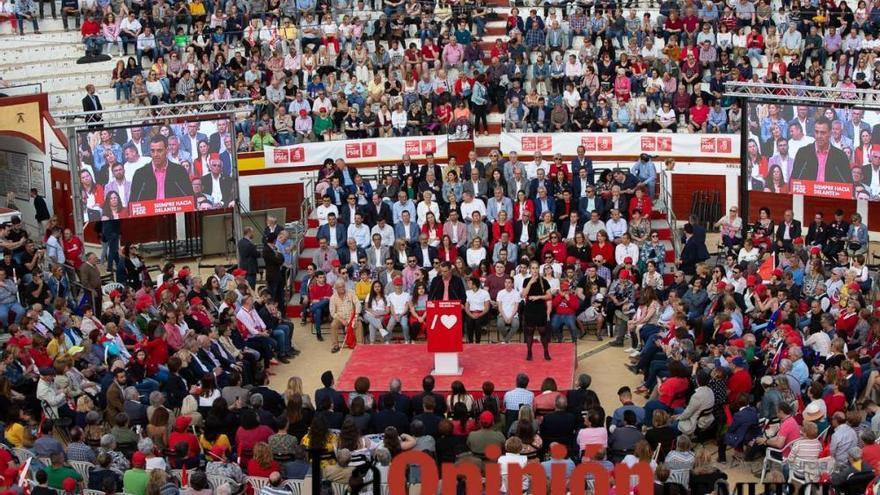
<point x="184" y="477"/>
<point x="23" y="477"/>
<point x="350" y="338"/>
<point x="767" y="267"/>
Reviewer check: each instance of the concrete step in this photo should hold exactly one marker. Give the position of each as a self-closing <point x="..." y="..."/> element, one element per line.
<point x="41" y="52"/>
<point x="50" y="69"/>
<point x="73" y="98"/>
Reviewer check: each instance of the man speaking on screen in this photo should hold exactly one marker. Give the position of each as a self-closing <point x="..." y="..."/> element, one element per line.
<point x="820" y="161"/>
<point x="160" y="179"/>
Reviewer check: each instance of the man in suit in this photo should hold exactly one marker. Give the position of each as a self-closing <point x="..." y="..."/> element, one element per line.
<point x="325" y="256"/>
<point x="336" y="192"/>
<point x="217" y="141"/>
<point x="226" y="156"/>
<point x="333" y="232"/>
<point x="581" y="161"/>
<point x="348" y="209"/>
<point x="430" y="165"/>
<point x="401" y="402"/>
<point x="525" y="232"/>
<point x="376" y="253"/>
<point x="693" y="252"/>
<point x="139" y="141"/>
<point x="389" y="416"/>
<point x="408" y="167"/>
<point x="362" y="191"/>
<point x="247" y="256"/>
<point x="90" y="278"/>
<point x="407" y="229"/>
<point x="424" y="252"/>
<point x="871" y="173"/>
<point x="788" y="229"/>
<point x="189" y="140"/>
<point x="539" y="182"/>
<point x="446" y="286"/>
<point x="91" y="103"/>
<point x="176" y="181"/>
<point x="376" y="210"/>
<point x="418" y="400"/>
<point x="215" y="185"/>
<point x="350" y="253"/>
<point x="543" y="203"/>
<point x="475" y="185"/>
<point x="473" y="164"/>
<point x="455" y="229"/>
<point x="820" y="161"/>
<point x="560" y="425"/>
<point x="337" y="401"/>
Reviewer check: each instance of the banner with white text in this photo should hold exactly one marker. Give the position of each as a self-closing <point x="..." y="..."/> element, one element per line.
<point x="623" y="144"/>
<point x="355" y="151"/>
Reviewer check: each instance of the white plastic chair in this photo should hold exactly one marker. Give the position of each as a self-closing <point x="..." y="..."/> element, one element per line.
<point x="339" y="488"/>
<point x="772" y="456"/>
<point x="808" y="472"/>
<point x="216" y="481"/>
<point x="295" y="486"/>
<point x="111" y="286"/>
<point x="82" y="467"/>
<point x="257" y="482"/>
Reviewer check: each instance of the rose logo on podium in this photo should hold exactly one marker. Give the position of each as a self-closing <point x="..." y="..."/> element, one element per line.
<point x="444" y="335"/>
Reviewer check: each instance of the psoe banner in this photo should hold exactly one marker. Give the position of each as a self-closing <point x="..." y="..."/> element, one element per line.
<point x="623" y="144"/>
<point x="355" y="151"/>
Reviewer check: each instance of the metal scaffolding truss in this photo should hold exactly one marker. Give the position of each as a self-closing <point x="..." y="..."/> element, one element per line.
<point x="153" y="114"/>
<point x="803" y="95"/>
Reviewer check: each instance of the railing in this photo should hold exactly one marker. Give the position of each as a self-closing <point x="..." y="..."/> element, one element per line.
<point x="666" y="196"/>
<point x="21" y="89"/>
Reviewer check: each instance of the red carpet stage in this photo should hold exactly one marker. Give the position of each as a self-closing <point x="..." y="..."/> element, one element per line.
<point x="498" y="363"/>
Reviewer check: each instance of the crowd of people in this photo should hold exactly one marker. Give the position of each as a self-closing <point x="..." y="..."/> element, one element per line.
<point x="775" y="360"/>
<point x="770" y="350"/>
<point x="315" y="70"/>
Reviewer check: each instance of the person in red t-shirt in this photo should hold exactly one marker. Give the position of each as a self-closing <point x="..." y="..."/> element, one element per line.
<point x="565" y="306"/>
<point x="740" y="382"/>
<point x="319" y="295"/>
<point x="699" y="115"/>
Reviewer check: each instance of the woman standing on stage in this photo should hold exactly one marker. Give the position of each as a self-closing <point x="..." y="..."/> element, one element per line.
<point x="536" y="292"/>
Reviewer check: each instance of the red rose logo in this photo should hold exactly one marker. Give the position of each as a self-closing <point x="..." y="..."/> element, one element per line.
<point x="297" y="155"/>
<point x="368" y="150"/>
<point x="664" y="144"/>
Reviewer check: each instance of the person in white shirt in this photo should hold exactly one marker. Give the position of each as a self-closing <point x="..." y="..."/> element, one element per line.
<point x="475" y="254"/>
<point x="54" y="249"/>
<point x="375" y="309"/>
<point x="476" y="310"/>
<point x="399" y="301"/>
<point x="324" y="209"/>
<point x="359" y="231"/>
<point x="469" y="205"/>
<point x="512" y="456"/>
<point x="385" y="231"/>
<point x="427" y="205"/>
<point x="507" y="301"/>
<point x="593" y="226"/>
<point x="626" y="249"/>
<point x="615" y="226"/>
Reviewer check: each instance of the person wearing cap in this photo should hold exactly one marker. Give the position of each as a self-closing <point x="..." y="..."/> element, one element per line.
<point x="565" y="306"/>
<point x="135" y="480"/>
<point x="303" y="127"/>
<point x="486" y="435"/>
<point x="220" y="188"/>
